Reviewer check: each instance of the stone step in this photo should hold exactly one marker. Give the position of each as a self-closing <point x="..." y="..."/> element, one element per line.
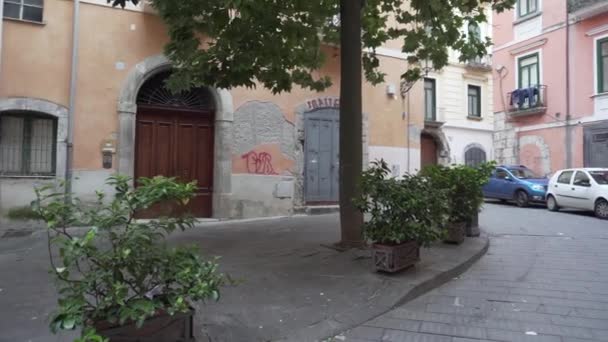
<point x="317" y="209"/>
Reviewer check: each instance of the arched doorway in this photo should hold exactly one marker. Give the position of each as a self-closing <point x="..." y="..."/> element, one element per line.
<point x="174" y="137"/>
<point x="428" y="150"/>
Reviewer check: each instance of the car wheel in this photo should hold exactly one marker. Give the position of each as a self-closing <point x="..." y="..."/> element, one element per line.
<point x="552" y="203"/>
<point x="521" y="198"/>
<point x="601" y="209"/>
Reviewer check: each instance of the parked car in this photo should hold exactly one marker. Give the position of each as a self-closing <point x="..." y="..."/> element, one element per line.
<point x="517" y="183"/>
<point x="585" y="189"/>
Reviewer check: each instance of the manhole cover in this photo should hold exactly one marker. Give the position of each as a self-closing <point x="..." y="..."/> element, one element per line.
<point x="15" y="233"/>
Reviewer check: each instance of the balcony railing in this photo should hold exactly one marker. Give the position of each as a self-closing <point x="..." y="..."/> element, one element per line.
<point x="528" y="101"/>
<point x="480" y="63"/>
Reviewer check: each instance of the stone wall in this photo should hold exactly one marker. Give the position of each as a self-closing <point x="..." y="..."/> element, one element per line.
<point x="263" y="161"/>
<point x="505" y="140"/>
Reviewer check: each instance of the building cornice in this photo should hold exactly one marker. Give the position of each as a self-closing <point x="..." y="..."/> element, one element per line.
<point x="529" y="46"/>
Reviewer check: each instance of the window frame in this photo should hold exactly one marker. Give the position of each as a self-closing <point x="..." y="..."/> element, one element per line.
<point x="574" y="181"/>
<point x="433" y="90"/>
<point x="520" y="71"/>
<point x="528" y="12"/>
<point x="477" y="89"/>
<point x="22" y="5"/>
<point x="28" y="119"/>
<point x="507" y="174"/>
<point x="569" y="179"/>
<point x="600" y="65"/>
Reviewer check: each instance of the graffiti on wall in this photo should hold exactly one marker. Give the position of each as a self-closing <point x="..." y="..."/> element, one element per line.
<point x="259" y="163"/>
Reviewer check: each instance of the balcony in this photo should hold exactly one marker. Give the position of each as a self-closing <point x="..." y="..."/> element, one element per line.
<point x="527" y="101"/>
<point x="480" y="63"/>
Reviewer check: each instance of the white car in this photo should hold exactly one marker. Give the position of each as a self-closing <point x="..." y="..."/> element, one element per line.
<point x="585" y="189"/>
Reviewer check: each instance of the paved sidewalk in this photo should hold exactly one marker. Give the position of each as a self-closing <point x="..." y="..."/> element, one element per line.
<point x="291" y="287"/>
<point x="544" y="279"/>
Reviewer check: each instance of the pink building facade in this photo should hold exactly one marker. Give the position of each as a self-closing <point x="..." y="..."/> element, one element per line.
<point x="551" y="84"/>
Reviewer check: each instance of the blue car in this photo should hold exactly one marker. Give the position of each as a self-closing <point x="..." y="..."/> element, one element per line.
<point x="517" y="183"/>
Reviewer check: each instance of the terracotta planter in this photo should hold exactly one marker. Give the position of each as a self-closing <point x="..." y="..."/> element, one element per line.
<point x="394" y="258"/>
<point x="455" y="232"/>
<point x="472" y="228"/>
<point x="160" y="328"/>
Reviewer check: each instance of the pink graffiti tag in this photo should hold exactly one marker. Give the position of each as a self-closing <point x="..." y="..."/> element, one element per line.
<point x="260" y="164"/>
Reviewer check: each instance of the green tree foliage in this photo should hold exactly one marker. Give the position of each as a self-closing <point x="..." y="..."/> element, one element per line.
<point x="234" y="43"/>
<point x="278" y="44"/>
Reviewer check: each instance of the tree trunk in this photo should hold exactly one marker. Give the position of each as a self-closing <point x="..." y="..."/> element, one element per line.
<point x="351" y="144"/>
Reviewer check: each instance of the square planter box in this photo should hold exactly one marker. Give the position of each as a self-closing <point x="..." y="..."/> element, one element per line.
<point x="394" y="258"/>
<point x="160" y="328"/>
<point x="472" y="228"/>
<point x="456" y="232"/>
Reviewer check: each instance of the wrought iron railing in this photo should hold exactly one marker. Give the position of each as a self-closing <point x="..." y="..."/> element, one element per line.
<point x="531" y="99"/>
<point x="484" y="62"/>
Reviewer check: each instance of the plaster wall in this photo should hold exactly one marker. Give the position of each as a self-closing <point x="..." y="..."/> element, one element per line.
<point x="264" y="123"/>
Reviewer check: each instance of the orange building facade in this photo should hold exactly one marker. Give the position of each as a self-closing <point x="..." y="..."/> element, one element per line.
<point x="93" y="83"/>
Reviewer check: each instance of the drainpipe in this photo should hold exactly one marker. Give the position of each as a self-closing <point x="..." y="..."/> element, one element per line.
<point x="1" y="23"/>
<point x="409" y="132"/>
<point x="567" y="123"/>
<point x="72" y="100"/>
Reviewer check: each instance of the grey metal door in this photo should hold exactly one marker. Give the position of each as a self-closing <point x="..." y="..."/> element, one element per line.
<point x="321" y="148"/>
<point x="596" y="146"/>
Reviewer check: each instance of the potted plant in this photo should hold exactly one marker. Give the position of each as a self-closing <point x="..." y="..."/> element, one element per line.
<point x="459" y="182"/>
<point x="120" y="280"/>
<point x="404" y="214"/>
<point x="484" y="171"/>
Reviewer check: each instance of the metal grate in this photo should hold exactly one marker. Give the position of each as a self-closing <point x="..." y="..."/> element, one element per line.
<point x="474" y="156"/>
<point x="155" y="92"/>
<point x="27" y="144"/>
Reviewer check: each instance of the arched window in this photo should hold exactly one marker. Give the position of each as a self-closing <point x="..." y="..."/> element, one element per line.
<point x="155" y="93"/>
<point x="27" y="144"/>
<point x="474" y="156"/>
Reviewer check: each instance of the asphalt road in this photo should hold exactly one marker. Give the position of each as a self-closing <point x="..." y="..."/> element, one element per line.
<point x="544" y="278"/>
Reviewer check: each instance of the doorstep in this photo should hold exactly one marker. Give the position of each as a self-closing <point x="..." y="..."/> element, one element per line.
<point x="317" y="209"/>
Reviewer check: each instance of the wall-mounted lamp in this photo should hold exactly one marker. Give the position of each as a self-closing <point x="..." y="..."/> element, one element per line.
<point x="427" y="66"/>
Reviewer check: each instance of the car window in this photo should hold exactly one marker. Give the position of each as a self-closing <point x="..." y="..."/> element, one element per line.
<point x="600" y="177"/>
<point x="581" y="179"/>
<point x="565" y="177"/>
<point x="523" y="173"/>
<point x="501" y="174"/>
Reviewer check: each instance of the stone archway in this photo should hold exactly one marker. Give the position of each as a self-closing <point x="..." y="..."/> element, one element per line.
<point x="535" y="152"/>
<point x="473" y="154"/>
<point x="127" y="109"/>
<point x="33" y="105"/>
<point x="443" y="147"/>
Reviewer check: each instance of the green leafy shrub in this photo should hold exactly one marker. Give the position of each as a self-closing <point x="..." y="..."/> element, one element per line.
<point x="402" y="209"/>
<point x="463" y="186"/>
<point x="121" y="270"/>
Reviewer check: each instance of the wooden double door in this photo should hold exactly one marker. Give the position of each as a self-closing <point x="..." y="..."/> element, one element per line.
<point x="176" y="143"/>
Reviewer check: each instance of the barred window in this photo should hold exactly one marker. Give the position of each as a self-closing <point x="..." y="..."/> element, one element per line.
<point x="27" y="144"/>
<point x="474" y="156"/>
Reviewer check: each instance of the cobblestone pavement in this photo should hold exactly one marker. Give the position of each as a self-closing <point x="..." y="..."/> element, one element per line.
<point x="544" y="279"/>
